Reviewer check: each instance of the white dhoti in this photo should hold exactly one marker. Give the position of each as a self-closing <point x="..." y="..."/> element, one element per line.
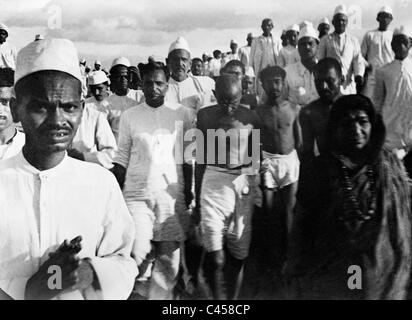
<point x="279" y="170"/>
<point x="227" y="203"/>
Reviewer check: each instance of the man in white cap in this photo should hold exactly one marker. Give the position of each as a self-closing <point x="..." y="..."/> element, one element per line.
<point x="264" y="52"/>
<point x="94" y="140"/>
<point x="49" y="198"/>
<point x="393" y="94"/>
<point x="323" y="27"/>
<point x="233" y="54"/>
<point x="376" y="48"/>
<point x="289" y="54"/>
<point x="8" y="52"/>
<point x="11" y="139"/>
<point x="300" y="80"/>
<point x="244" y="52"/>
<point x="123" y="97"/>
<point x="153" y="179"/>
<point x="192" y="92"/>
<point x="97" y="65"/>
<point x="345" y="48"/>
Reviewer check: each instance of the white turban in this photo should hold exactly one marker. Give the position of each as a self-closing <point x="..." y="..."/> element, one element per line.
<point x="97" y="77"/>
<point x="121" y="61"/>
<point x="402" y="30"/>
<point x="308" y="31"/>
<point x="325" y="21"/>
<point x="293" y="27"/>
<point x="4" y="27"/>
<point x="341" y="9"/>
<point x="180" y="43"/>
<point x="386" y="9"/>
<point x="51" y="54"/>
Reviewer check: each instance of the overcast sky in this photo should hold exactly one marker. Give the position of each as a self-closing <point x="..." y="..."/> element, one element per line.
<point x="139" y="28"/>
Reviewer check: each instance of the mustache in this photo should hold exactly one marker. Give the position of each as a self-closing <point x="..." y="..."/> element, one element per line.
<point x="47" y="128"/>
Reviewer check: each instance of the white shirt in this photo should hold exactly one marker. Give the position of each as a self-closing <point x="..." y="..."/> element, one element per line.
<point x="150" y="148"/>
<point x="8" y="56"/>
<point x="214" y="67"/>
<point x="288" y="55"/>
<point x="193" y="92"/>
<point x="13" y="146"/>
<point x="264" y="53"/>
<point x="40" y="209"/>
<point x="346" y="49"/>
<point x="244" y="55"/>
<point x="102" y="106"/>
<point x="119" y="104"/>
<point x="376" y="48"/>
<point x="94" y="138"/>
<point x="300" y="84"/>
<point x="393" y="98"/>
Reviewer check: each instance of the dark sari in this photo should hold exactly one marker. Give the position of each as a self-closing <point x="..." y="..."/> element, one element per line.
<point x="323" y="244"/>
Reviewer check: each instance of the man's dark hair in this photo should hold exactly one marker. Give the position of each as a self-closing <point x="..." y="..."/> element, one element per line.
<point x="197" y="59"/>
<point x="328" y="63"/>
<point x="356" y="102"/>
<point x="272" y="71"/>
<point x="152" y="67"/>
<point x="234" y="63"/>
<point x="216" y="53"/>
<point x="6" y="77"/>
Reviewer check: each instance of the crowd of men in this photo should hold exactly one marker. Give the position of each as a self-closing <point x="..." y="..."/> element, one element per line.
<point x="263" y="172"/>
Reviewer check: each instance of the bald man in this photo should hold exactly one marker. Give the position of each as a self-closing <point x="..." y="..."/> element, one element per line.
<point x="225" y="184"/>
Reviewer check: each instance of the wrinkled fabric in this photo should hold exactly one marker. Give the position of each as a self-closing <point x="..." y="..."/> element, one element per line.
<point x="322" y="247"/>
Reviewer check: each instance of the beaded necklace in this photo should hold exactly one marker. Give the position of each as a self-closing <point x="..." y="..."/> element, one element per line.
<point x="352" y="214"/>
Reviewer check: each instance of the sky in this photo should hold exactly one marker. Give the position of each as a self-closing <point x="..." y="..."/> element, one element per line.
<point x="136" y="29"/>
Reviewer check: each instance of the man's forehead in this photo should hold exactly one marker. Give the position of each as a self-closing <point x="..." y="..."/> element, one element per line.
<point x="179" y="53"/>
<point x="6" y="92"/>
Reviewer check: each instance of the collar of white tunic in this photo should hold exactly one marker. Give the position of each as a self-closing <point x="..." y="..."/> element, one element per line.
<point x="22" y="164"/>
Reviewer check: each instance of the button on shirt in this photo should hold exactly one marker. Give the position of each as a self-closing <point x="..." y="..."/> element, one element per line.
<point x="151" y="149"/>
<point x="8" y="56"/>
<point x="94" y="138"/>
<point x="393" y="98"/>
<point x="300" y="84"/>
<point x="40" y="209"/>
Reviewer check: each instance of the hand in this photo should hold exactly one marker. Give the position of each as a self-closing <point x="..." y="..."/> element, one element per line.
<point x="188" y="197"/>
<point x="74" y="153"/>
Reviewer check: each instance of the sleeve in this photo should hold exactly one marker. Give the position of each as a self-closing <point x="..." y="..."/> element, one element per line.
<point x="252" y="59"/>
<point x="358" y="62"/>
<point x="114" y="267"/>
<point x="15" y="288"/>
<point x="281" y="59"/>
<point x="125" y="142"/>
<point x="379" y="91"/>
<point x="365" y="46"/>
<point x="105" y="142"/>
<point x="322" y="49"/>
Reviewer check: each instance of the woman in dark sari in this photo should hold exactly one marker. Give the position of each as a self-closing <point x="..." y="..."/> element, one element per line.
<point x="354" y="209"/>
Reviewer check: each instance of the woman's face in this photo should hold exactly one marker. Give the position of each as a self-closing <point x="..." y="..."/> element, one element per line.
<point x="353" y="131"/>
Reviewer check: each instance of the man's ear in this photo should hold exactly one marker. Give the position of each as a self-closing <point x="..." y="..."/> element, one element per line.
<point x="14" y="110"/>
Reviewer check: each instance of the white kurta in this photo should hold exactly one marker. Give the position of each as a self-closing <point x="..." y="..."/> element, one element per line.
<point x="147" y="143"/>
<point x="300" y="84"/>
<point x="119" y="104"/>
<point x="244" y="55"/>
<point x="377" y="51"/>
<point x="40" y="209"/>
<point x="102" y="106"/>
<point x="346" y="49"/>
<point x="13" y="146"/>
<point x="8" y="56"/>
<point x="193" y="92"/>
<point x="393" y="98"/>
<point x="214" y="67"/>
<point x="95" y="139"/>
<point x="288" y="55"/>
<point x="263" y="53"/>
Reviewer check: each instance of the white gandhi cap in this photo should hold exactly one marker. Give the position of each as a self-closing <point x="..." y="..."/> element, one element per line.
<point x="180" y="43"/>
<point x="341" y="9"/>
<point x="97" y="77"/>
<point x="121" y="61"/>
<point x="308" y="31"/>
<point x="50" y="54"/>
<point x="386" y="9"/>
